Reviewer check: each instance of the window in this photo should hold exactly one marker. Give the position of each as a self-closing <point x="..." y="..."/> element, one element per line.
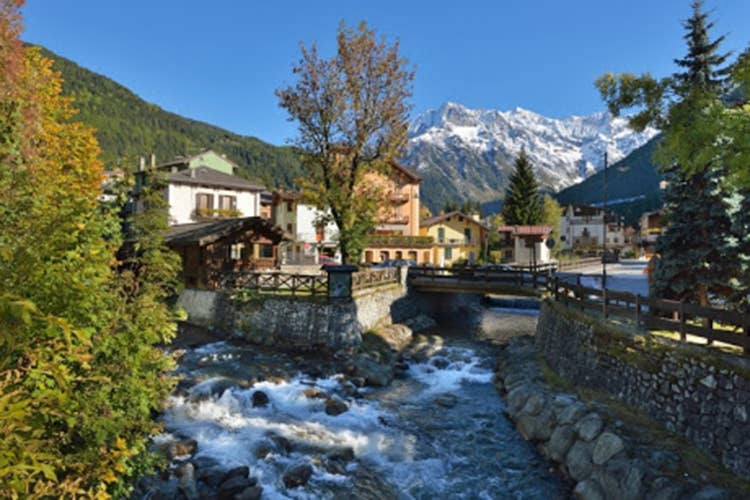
<point x="227" y="202"/>
<point x="289" y="206"/>
<point x="204" y="201"/>
<point x="448" y="253"/>
<point x="441" y="235"/>
<point x="289" y="228"/>
<point x="399" y="255"/>
<point x="266" y="251"/>
<point x="467" y="235"/>
<point x="236" y="251"/>
<point x="384" y="256"/>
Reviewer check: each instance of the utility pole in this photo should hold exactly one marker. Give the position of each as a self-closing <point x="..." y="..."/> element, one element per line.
<point x="604" y="227"/>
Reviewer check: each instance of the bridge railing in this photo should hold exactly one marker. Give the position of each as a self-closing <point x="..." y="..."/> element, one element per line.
<point x="515" y="277"/>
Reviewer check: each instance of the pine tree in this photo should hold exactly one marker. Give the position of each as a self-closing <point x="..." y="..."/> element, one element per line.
<point x="702" y="62"/>
<point x="523" y="203"/>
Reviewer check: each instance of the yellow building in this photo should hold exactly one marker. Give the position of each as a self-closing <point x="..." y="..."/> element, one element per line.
<point x="457" y="236"/>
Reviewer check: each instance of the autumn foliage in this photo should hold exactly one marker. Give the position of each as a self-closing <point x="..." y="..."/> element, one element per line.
<point x="79" y="371"/>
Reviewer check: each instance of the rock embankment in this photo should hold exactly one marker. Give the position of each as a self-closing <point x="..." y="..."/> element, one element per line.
<point x="601" y="454"/>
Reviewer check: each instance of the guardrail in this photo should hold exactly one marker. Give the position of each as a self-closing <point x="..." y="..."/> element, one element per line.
<point x="683" y="318"/>
<point x="518" y="276"/>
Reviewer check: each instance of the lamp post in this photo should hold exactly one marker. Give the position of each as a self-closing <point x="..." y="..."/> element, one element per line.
<point x="604" y="227"/>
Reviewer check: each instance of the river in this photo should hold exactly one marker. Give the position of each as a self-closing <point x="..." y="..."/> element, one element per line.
<point x="438" y="432"/>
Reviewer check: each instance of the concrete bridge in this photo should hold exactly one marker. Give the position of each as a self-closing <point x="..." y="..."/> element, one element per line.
<point x="516" y="281"/>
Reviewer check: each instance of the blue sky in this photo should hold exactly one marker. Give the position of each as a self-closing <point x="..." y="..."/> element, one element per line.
<point x="220" y="61"/>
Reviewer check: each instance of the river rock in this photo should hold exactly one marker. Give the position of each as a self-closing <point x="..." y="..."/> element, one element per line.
<point x="446" y="400"/>
<point x="578" y="461"/>
<point x="335" y="406"/>
<point x="517" y="399"/>
<point x="180" y="448"/>
<point x="237" y="484"/>
<point x="533" y="405"/>
<point x="343" y="454"/>
<point x="663" y="488"/>
<point x="373" y="373"/>
<point x="572" y="413"/>
<point x="440" y="363"/>
<point x="397" y="336"/>
<point x="185" y="473"/>
<point x="606" y="446"/>
<point x="242" y="471"/>
<point x="589" y="426"/>
<point x="420" y="323"/>
<point x="588" y="490"/>
<point x="281" y="442"/>
<point x="711" y="493"/>
<point x="251" y="493"/>
<point x="298" y="475"/>
<point x="314" y="393"/>
<point x="632" y="485"/>
<point x="560" y="442"/>
<point x="260" y="399"/>
<point x="537" y="427"/>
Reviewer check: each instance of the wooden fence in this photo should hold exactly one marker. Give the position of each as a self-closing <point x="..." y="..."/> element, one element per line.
<point x="278" y="283"/>
<point x="711" y="324"/>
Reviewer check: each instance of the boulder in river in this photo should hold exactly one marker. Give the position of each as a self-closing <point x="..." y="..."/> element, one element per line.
<point x="446" y="400"/>
<point x="374" y="373"/>
<point x="298" y="475"/>
<point x="335" y="406"/>
<point x="260" y="399"/>
<point x="179" y="448"/>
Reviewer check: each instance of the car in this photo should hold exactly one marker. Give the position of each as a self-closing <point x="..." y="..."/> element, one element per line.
<point x="496" y="267"/>
<point x="396" y="263"/>
<point x="326" y="261"/>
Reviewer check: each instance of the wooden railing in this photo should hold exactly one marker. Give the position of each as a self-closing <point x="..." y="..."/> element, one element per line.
<point x="682" y="318"/>
<point x="574" y="264"/>
<point x="278" y="283"/>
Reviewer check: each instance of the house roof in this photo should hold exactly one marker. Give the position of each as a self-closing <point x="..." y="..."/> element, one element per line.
<point x="286" y="196"/>
<point x="184" y="160"/>
<point x="409" y="173"/>
<point x="207" y="232"/>
<point x="204" y="176"/>
<point x="431" y="221"/>
<point x="526" y="230"/>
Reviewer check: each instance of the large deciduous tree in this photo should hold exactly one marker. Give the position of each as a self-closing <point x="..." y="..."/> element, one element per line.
<point x="522" y="205"/>
<point x="352" y="114"/>
<point x="696" y="249"/>
<point x="80" y="372"/>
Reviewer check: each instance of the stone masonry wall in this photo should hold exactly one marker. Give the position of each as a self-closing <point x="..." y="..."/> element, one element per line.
<point x="694" y="391"/>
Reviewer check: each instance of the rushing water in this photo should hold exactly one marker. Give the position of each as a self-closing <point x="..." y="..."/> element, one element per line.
<point x="406" y="444"/>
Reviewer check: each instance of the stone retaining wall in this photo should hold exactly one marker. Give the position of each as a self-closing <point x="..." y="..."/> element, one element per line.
<point x="693" y="391"/>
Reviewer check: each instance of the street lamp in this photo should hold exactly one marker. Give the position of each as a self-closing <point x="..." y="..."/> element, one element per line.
<point x="604" y="227"/>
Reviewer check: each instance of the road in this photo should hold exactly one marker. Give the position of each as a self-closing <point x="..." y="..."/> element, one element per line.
<point x="625" y="276"/>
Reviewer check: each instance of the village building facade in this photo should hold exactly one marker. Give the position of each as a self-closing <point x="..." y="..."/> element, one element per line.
<point x="582" y="229"/>
<point x="457" y="238"/>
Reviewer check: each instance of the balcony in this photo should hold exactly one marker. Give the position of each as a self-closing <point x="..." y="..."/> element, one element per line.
<point x="395" y="219"/>
<point x="398" y="198"/>
<point x="203" y="214"/>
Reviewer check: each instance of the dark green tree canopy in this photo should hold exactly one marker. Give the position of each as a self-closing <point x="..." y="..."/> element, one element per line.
<point x="523" y="203"/>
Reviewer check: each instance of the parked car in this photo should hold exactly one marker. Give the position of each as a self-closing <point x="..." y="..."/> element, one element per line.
<point x="496" y="267"/>
<point x="396" y="263"/>
<point x="326" y="261"/>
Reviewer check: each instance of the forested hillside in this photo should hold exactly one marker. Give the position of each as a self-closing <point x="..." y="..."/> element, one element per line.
<point x="632" y="185"/>
<point x="128" y="127"/>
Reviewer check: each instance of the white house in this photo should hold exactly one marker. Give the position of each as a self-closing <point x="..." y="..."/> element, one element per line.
<point x="528" y="244"/>
<point x="582" y="228"/>
<point x="202" y="193"/>
<point x="310" y="241"/>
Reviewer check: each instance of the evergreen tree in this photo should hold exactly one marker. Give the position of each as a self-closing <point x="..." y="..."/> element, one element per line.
<point x="696" y="252"/>
<point x="523" y="203"/>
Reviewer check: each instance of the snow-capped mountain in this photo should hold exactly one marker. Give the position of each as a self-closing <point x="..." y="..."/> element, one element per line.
<point x="468" y="153"/>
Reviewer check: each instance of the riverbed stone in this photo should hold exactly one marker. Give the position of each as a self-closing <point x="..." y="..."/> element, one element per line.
<point x="298" y="475"/>
<point x="335" y="406"/>
<point x="589" y="426"/>
<point x="537" y="427"/>
<point x="260" y="399"/>
<point x="374" y="373"/>
<point x="534" y="405"/>
<point x="180" y="448"/>
<point x="588" y="490"/>
<point x="185" y="473"/>
<point x="578" y="460"/>
<point x="231" y="487"/>
<point x="242" y="471"/>
<point x="517" y="399"/>
<point x="446" y="400"/>
<point x="251" y="493"/>
<point x="572" y="414"/>
<point x="606" y="446"/>
<point x="345" y="454"/>
<point x="560" y="441"/>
